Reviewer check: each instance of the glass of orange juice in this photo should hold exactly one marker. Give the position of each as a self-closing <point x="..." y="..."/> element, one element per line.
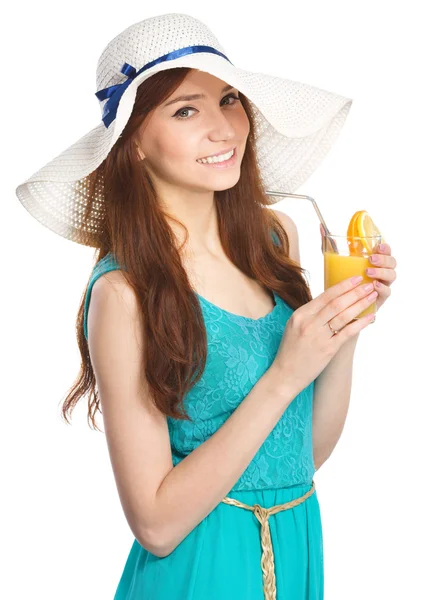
<point x="347" y="256"/>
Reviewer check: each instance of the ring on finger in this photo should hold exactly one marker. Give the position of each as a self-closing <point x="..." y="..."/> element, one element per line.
<point x="334" y="331"/>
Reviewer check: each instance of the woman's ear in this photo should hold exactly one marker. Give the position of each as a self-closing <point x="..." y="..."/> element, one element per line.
<point x="140" y="152"/>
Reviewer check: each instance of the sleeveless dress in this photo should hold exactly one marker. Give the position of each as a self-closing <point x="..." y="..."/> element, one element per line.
<point x="220" y="559"/>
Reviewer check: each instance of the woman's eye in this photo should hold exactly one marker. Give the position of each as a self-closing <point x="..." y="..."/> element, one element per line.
<point x="177" y="115"/>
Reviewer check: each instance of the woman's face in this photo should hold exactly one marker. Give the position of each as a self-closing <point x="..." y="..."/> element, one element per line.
<point x="176" y="134"/>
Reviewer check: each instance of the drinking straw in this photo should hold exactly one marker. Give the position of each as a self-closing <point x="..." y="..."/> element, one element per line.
<point x="317" y="210"/>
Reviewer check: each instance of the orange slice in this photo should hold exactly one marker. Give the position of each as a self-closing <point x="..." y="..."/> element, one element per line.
<point x="352" y="225"/>
<point x="365" y="227"/>
<point x="355" y="246"/>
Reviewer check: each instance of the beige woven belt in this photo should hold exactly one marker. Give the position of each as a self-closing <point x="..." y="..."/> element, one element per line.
<point x="267" y="557"/>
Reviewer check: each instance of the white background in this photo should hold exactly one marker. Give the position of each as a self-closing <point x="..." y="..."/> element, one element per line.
<point x="63" y="531"/>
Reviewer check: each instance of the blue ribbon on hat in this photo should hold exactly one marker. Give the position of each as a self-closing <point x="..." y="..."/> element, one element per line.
<point x="115" y="92"/>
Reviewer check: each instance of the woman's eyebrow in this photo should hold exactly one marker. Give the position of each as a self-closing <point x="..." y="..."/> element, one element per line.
<point x="195" y="96"/>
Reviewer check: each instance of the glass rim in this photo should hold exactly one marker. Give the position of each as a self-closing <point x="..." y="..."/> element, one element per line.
<point x="354" y="237"/>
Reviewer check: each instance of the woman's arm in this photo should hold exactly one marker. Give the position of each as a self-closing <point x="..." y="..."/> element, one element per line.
<point x="331" y="401"/>
<point x="196" y="485"/>
<point x="333" y="386"/>
<point x="162" y="503"/>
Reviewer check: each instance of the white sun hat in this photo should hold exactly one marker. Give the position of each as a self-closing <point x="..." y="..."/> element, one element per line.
<point x="296" y="123"/>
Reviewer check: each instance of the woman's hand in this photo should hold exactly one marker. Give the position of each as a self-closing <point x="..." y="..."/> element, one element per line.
<point x="382" y="270"/>
<point x="309" y="344"/>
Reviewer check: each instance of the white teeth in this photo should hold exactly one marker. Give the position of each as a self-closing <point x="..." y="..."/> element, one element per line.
<point x="213" y="159"/>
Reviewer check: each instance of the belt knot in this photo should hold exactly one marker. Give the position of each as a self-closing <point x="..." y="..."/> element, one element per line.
<point x="267" y="556"/>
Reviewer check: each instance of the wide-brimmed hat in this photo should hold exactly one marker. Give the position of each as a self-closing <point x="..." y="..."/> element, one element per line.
<point x="296" y="123"/>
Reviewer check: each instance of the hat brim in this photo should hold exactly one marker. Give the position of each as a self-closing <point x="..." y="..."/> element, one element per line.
<point x="296" y="125"/>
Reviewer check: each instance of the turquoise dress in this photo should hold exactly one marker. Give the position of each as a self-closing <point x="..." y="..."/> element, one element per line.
<point x="220" y="559"/>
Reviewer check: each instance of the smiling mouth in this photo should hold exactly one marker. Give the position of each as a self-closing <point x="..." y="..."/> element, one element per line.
<point x="216" y="158"/>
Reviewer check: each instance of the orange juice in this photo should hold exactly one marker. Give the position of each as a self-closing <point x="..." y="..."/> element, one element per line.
<point x="338" y="267"/>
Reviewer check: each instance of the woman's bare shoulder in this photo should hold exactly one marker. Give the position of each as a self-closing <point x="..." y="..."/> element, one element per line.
<point x="292" y="232"/>
<point x="112" y="292"/>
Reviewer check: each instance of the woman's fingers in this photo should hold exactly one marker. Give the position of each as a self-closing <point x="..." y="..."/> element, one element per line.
<point x="334" y="293"/>
<point x="342" y="309"/>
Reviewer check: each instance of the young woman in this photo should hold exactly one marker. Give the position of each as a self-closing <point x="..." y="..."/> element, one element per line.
<point x="199" y="337"/>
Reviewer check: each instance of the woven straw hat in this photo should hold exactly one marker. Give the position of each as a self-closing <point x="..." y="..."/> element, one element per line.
<point x="296" y="123"/>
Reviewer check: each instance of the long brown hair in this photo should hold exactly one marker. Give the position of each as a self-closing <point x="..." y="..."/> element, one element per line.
<point x="137" y="233"/>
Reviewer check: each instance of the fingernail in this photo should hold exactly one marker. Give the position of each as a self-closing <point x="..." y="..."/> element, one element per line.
<point x="373" y="258"/>
<point x="370" y="271"/>
<point x="381" y="247"/>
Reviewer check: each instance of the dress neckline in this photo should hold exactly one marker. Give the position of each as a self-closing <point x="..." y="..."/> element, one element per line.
<point x="269" y="315"/>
